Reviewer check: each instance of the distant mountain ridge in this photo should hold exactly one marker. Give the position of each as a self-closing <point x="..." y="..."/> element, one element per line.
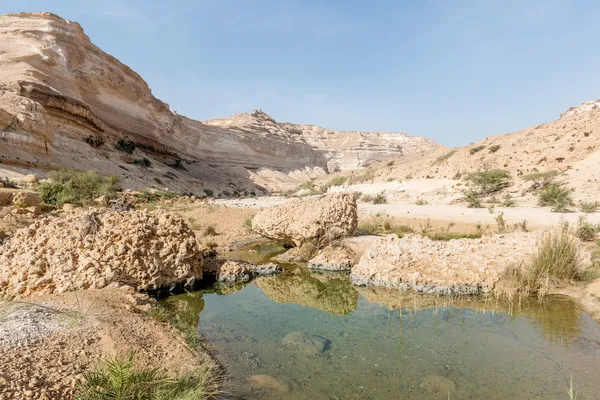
<point x="343" y="150"/>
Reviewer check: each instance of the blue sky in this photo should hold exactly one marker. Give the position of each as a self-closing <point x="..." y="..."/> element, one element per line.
<point x="455" y="71"/>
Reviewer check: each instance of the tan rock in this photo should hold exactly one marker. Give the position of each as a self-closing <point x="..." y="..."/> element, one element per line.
<point x="269" y="382"/>
<point x="333" y="258"/>
<point x="30" y="179"/>
<point x="92" y="249"/>
<point x="463" y="266"/>
<point x="308" y="219"/>
<point x="230" y="271"/>
<point x="26" y="199"/>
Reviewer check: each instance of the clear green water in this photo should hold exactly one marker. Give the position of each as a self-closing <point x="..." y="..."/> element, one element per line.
<point x="386" y="344"/>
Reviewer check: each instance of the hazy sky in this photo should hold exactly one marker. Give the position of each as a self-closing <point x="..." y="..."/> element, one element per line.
<point x="455" y="71"/>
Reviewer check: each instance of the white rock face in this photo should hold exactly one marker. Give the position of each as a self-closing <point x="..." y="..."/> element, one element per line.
<point x="344" y="150"/>
<point x="583" y="107"/>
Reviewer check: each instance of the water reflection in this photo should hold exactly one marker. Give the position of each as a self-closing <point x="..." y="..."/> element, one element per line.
<point x="332" y="293"/>
<point x="387" y="344"/>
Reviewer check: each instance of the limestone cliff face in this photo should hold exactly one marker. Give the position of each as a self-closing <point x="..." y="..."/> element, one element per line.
<point x="66" y="103"/>
<point x="343" y="150"/>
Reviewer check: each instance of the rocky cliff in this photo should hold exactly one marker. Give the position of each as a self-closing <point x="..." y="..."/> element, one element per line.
<point x="343" y="150"/>
<point x="583" y="107"/>
<point x="66" y="103"/>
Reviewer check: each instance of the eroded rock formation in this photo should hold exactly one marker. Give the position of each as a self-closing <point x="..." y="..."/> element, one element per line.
<point x="308" y="220"/>
<point x="92" y="249"/>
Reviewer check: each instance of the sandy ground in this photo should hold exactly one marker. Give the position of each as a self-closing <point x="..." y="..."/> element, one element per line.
<point x="60" y="336"/>
<point x="537" y="217"/>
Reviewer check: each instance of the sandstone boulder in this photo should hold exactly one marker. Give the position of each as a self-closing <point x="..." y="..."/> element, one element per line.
<point x="309" y="219"/>
<point x="333" y="258"/>
<point x="462" y="266"/>
<point x="230" y="271"/>
<point x="92" y="249"/>
<point x="306" y="343"/>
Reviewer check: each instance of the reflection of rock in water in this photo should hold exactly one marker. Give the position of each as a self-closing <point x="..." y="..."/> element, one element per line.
<point x="186" y="308"/>
<point x="557" y="316"/>
<point x="332" y="293"/>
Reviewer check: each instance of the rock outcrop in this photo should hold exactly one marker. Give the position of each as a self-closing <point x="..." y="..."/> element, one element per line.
<point x="343" y="150"/>
<point x="93" y="249"/>
<point x="583" y="107"/>
<point x="66" y="103"/>
<point x="460" y="266"/>
<point x="230" y="271"/>
<point x="333" y="258"/>
<point x="308" y="220"/>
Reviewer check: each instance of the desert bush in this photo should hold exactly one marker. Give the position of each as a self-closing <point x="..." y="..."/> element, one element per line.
<point x="494" y="148"/>
<point x="390" y="163"/>
<point x="445" y="236"/>
<point x="444" y="157"/>
<point x="210" y="231"/>
<point x="211" y="244"/>
<point x="402" y="230"/>
<point x="380" y="198"/>
<point x="337" y="181"/>
<point x="556" y="196"/>
<point x="150" y="195"/>
<point x="501" y="223"/>
<point x="120" y="379"/>
<point x="489" y="182"/>
<point x="76" y="187"/>
<point x="508" y="201"/>
<point x="589" y="207"/>
<point x="367" y="175"/>
<point x="476" y="149"/>
<point x="473" y="198"/>
<point x="557" y="257"/>
<point x="585" y="230"/>
<point x="421" y="202"/>
<point x="540" y="179"/>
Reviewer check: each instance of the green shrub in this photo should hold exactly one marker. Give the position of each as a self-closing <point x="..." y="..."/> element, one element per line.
<point x="380" y="199"/>
<point x="119" y="379"/>
<point x="210" y="231"/>
<point x="367" y="175"/>
<point x="589" y="207"/>
<point x="557" y="257"/>
<point x="508" y="201"/>
<point x="150" y="195"/>
<point x="494" y="148"/>
<point x="402" y="230"/>
<point x="473" y="198"/>
<point x="248" y="223"/>
<point x="76" y="187"/>
<point x="445" y="236"/>
<point x="476" y="149"/>
<point x="539" y="176"/>
<point x="556" y="196"/>
<point x="585" y="230"/>
<point x="489" y="182"/>
<point x="444" y="157"/>
<point x="337" y="181"/>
